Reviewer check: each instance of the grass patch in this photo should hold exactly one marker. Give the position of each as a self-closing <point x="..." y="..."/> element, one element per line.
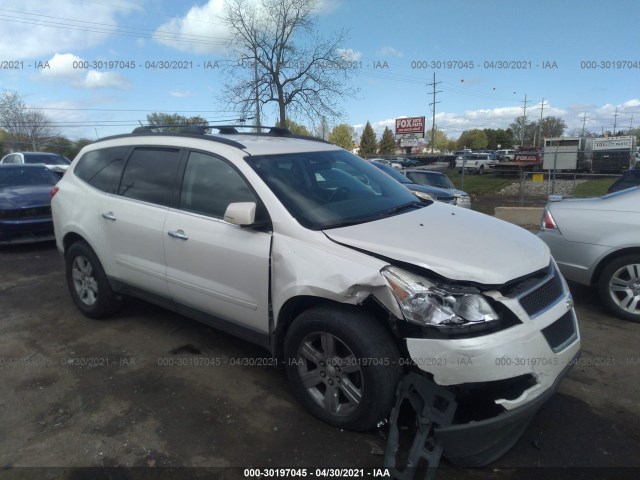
<point x="475" y="184"/>
<point x="594" y="188"/>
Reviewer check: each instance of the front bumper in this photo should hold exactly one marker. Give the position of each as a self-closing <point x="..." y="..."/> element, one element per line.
<point x="476" y="444"/>
<point x="26" y="231"/>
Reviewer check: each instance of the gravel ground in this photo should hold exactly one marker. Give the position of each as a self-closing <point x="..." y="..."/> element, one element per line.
<point x="562" y="187"/>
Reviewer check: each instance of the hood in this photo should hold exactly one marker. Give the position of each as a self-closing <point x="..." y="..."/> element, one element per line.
<point x="29" y="196"/>
<point x="456" y="243"/>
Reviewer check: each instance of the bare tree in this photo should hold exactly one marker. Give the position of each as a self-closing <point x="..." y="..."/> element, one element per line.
<point x="26" y="128"/>
<point x="280" y="59"/>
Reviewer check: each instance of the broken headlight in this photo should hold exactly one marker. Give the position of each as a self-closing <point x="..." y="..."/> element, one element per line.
<point x="427" y="303"/>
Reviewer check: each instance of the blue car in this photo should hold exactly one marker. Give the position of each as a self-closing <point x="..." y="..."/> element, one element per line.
<point x="25" y="203"/>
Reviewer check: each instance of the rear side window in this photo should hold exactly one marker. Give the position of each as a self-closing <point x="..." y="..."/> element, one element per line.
<point x="102" y="168"/>
<point x="210" y="185"/>
<point x="150" y="175"/>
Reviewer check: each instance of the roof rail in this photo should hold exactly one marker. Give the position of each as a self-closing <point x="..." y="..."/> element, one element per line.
<point x="222" y="129"/>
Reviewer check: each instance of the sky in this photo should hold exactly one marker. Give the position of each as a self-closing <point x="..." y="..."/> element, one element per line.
<point x="72" y="59"/>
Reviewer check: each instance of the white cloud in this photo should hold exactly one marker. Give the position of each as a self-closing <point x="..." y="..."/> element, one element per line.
<point x="349" y="54"/>
<point x="63" y="65"/>
<point x="40" y="28"/>
<point x="181" y="94"/>
<point x="95" y="79"/>
<point x="69" y="67"/>
<point x="200" y="31"/>
<point x="390" y="52"/>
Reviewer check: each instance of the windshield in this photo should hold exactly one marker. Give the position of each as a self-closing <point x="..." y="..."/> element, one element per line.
<point x="332" y="189"/>
<point x="51" y="159"/>
<point x="431" y="179"/>
<point x="23" y="177"/>
<point x="391" y="172"/>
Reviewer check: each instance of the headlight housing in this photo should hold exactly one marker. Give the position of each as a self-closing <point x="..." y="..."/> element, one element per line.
<point x="427" y="303"/>
<point x="423" y="195"/>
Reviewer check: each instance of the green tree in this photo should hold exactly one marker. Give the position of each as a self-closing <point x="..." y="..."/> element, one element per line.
<point x="26" y="128"/>
<point x="368" y="143"/>
<point x="172" y="122"/>
<point x="551" y="127"/>
<point x="440" y="141"/>
<point x="387" y="145"/>
<point x="523" y="132"/>
<point x="295" y="128"/>
<point x="342" y="135"/>
<point x="473" y="139"/>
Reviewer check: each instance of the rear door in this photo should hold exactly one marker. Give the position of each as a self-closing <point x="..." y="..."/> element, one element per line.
<point x="214" y="266"/>
<point x="133" y="219"/>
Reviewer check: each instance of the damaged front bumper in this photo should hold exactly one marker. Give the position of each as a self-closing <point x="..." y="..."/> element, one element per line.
<point x="471" y="444"/>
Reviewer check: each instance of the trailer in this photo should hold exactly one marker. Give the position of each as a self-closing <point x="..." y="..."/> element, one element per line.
<point x="613" y="154"/>
<point x="568" y="154"/>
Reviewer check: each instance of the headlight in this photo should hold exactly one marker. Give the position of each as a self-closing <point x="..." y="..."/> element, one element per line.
<point x="463" y="200"/>
<point x="426" y="303"/>
<point x="423" y="196"/>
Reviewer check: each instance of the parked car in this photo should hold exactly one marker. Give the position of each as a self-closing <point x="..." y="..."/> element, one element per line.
<point x="630" y="178"/>
<point x="439" y="180"/>
<point x="423" y="192"/>
<point x="505" y="155"/>
<point x="25" y="205"/>
<point x="476" y="162"/>
<point x="339" y="272"/>
<point x="596" y="241"/>
<point x="54" y="162"/>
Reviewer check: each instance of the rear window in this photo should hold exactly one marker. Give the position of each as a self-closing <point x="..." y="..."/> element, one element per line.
<point x="51" y="159"/>
<point x="150" y="175"/>
<point x="102" y="168"/>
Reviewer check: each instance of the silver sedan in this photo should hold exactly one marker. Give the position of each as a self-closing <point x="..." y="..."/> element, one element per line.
<point x="596" y="241"/>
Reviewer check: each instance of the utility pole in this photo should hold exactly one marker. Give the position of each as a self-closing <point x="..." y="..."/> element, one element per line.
<point x="433" y="122"/>
<point x="615" y="122"/>
<point x="631" y="124"/>
<point x="540" y="123"/>
<point x="255" y="80"/>
<point x="524" y="119"/>
<point x="584" y="122"/>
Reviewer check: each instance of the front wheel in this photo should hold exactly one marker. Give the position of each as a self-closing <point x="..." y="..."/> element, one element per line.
<point x="88" y="284"/>
<point x="343" y="366"/>
<point x="481" y="169"/>
<point x="619" y="287"/>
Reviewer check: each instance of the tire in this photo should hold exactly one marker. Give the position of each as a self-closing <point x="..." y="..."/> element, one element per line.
<point x="481" y="170"/>
<point x="343" y="366"/>
<point x="88" y="283"/>
<point x="619" y="287"/>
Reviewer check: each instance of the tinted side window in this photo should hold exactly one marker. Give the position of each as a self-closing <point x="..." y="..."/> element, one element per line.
<point x="102" y="168"/>
<point x="150" y="175"/>
<point x="210" y="185"/>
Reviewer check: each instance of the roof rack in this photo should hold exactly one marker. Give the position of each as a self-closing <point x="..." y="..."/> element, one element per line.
<point x="222" y="129"/>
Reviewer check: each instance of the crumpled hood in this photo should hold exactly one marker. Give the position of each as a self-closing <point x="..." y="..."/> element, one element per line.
<point x="28" y="196"/>
<point x="456" y="243"/>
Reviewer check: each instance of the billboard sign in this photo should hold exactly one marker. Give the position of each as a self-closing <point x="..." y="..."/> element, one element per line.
<point x="410" y="126"/>
<point x="613" y="143"/>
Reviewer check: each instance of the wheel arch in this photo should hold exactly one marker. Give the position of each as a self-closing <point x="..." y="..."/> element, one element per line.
<point x="595" y="278"/>
<point x="293" y="307"/>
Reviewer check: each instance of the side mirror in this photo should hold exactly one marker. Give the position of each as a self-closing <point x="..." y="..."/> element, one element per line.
<point x="241" y="213"/>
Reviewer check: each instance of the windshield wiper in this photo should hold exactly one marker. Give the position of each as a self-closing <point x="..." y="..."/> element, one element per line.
<point x="404" y="206"/>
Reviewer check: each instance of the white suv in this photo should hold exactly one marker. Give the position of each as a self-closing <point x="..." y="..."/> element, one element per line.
<point x="331" y="265"/>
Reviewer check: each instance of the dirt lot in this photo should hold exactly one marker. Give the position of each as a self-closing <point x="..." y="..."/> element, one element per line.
<point x="149" y="388"/>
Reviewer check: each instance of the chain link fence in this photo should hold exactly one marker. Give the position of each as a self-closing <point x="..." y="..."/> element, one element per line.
<point x="532" y="187"/>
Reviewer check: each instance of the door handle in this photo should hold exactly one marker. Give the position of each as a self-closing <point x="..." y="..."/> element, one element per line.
<point x="178" y="234"/>
<point x="109" y="216"/>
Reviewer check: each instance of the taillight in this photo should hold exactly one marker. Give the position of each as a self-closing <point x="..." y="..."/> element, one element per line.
<point x="53" y="191"/>
<point x="548" y="223"/>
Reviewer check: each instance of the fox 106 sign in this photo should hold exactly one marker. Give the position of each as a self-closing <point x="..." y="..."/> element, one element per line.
<point x="410" y="127"/>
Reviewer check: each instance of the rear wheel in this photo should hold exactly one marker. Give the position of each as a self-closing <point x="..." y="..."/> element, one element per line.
<point x="481" y="169"/>
<point x="619" y="287"/>
<point x="343" y="366"/>
<point x="88" y="283"/>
